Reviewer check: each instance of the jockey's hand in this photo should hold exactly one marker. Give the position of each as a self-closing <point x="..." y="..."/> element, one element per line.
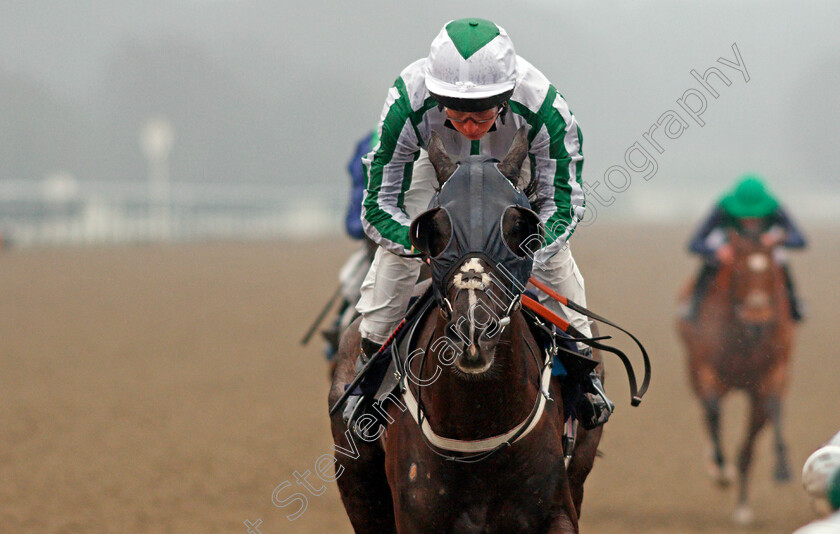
<point x="773" y="238"/>
<point x="726" y="253"/>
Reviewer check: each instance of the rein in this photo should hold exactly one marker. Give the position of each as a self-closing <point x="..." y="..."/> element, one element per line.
<point x="419" y="306"/>
<point x="472" y="451"/>
<point x="636" y="393"/>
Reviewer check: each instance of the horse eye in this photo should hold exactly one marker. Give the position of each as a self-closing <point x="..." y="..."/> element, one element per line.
<point x="517" y="228"/>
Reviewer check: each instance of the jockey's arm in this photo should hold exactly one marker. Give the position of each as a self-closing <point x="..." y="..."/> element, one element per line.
<point x="353" y="219"/>
<point x="788" y="234"/>
<point x="710" y="236"/>
<point x="388" y="169"/>
<point x="558" y="163"/>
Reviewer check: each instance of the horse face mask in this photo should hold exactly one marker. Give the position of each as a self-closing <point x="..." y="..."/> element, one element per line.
<point x="478" y="213"/>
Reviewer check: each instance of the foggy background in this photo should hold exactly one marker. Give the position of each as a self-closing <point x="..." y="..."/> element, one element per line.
<point x="164" y="388"/>
<point x="267" y="99"/>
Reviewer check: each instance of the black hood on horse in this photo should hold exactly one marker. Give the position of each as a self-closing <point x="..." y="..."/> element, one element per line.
<point x="485" y="229"/>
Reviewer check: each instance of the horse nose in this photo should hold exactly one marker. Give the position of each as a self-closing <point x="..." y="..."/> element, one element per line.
<point x="465" y="338"/>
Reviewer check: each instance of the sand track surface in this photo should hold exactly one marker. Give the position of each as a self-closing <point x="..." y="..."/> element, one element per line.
<point x="162" y="388"/>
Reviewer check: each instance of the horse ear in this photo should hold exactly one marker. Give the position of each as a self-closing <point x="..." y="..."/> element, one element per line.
<point x="512" y="164"/>
<point x="443" y="164"/>
<point x="430" y="232"/>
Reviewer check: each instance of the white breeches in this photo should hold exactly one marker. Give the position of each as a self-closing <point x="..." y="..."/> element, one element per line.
<point x="387" y="287"/>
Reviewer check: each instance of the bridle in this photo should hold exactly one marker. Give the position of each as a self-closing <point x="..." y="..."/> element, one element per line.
<point x="513" y="305"/>
<point x="472" y="451"/>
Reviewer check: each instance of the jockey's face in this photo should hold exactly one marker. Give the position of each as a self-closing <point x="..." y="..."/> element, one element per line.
<point x="473" y="125"/>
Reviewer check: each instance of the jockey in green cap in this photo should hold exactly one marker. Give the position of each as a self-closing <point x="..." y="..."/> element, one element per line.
<point x="749" y="200"/>
<point x="475" y="93"/>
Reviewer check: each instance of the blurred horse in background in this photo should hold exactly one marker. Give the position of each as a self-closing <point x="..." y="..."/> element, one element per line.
<point x="741" y="340"/>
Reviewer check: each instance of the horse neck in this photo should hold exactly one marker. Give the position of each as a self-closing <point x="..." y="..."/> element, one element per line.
<point x="720" y="291"/>
<point x="462" y="408"/>
<point x="778" y="293"/>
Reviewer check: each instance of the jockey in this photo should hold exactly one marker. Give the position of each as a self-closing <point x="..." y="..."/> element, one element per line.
<point x="821" y="478"/>
<point x="748" y="202"/>
<point x="475" y="92"/>
<point x="354" y="269"/>
<point x="353" y="220"/>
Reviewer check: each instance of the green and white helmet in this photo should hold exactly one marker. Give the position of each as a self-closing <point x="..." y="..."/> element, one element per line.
<point x="471" y="65"/>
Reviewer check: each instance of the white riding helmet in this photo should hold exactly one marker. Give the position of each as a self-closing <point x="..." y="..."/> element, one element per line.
<point x="821" y="473"/>
<point x="471" y="65"/>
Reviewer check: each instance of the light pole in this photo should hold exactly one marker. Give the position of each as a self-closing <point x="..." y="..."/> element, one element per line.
<point x="156" y="138"/>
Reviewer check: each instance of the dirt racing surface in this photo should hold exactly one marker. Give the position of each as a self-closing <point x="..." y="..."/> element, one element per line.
<point x="162" y="388"/>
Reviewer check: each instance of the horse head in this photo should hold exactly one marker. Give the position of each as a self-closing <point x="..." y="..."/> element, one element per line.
<point x="754" y="282"/>
<point x="478" y="234"/>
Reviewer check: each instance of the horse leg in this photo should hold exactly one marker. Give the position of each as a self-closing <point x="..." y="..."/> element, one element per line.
<point x="586" y="449"/>
<point x="710" y="390"/>
<point x="758" y="417"/>
<point x="774" y="410"/>
<point x="586" y="445"/>
<point x="718" y="469"/>
<point x="565" y="523"/>
<point x="363" y="485"/>
<point x="772" y="392"/>
<point x="360" y="465"/>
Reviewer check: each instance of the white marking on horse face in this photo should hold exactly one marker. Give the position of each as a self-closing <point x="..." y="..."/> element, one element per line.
<point x="472" y="265"/>
<point x="757" y="299"/>
<point x="473" y="300"/>
<point x="758" y="263"/>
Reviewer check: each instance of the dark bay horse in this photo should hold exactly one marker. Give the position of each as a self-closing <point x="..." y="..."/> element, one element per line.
<point x="474" y="445"/>
<point x="741" y="340"/>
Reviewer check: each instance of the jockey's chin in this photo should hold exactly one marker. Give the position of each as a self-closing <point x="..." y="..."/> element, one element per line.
<point x="473" y="131"/>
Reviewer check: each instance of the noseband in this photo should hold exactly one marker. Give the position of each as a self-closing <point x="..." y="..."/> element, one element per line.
<point x="494" y="275"/>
